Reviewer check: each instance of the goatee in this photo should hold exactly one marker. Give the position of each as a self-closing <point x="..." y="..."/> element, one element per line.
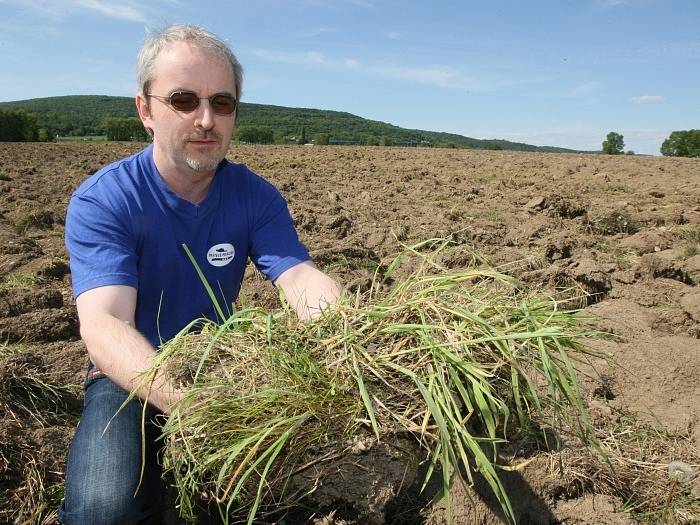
<point x="204" y="164"/>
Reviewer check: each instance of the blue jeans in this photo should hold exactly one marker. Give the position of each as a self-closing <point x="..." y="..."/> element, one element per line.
<point x="104" y="466"/>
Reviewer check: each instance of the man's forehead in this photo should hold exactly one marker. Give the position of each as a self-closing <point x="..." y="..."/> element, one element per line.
<point x="182" y="59"/>
<point x="182" y="52"/>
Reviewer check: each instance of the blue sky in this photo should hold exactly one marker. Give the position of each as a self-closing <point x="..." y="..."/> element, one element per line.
<point x="551" y="72"/>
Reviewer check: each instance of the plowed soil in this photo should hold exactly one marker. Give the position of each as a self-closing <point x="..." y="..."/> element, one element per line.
<point x="625" y="230"/>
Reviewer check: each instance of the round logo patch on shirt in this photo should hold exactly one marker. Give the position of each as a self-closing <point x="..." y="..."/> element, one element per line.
<point x="221" y="254"/>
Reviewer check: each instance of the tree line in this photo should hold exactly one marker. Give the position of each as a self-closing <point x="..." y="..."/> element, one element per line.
<point x="678" y="144"/>
<point x="16" y="125"/>
<point x="682" y="144"/>
<point x="115" y="117"/>
<point x="83" y="115"/>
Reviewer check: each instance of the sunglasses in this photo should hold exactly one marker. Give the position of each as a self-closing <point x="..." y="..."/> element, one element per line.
<point x="186" y="101"/>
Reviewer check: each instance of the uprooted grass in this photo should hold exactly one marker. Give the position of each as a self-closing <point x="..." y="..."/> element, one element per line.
<point x="461" y="360"/>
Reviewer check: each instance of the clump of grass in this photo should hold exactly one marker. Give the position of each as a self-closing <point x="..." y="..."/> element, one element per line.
<point x="22" y="281"/>
<point x="643" y="472"/>
<point x="42" y="219"/>
<point x="26" y="391"/>
<point x="462" y="360"/>
<point x="35" y="500"/>
<point x="345" y="262"/>
<point x="617" y="221"/>
<point x="622" y="256"/>
<point x="691" y="235"/>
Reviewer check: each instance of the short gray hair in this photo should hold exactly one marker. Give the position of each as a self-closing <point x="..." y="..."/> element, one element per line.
<point x="197" y="36"/>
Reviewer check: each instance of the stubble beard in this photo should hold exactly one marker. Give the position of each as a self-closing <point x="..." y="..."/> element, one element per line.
<point x="208" y="162"/>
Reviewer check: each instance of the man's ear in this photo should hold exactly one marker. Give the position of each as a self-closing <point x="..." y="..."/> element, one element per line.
<point x="144" y="110"/>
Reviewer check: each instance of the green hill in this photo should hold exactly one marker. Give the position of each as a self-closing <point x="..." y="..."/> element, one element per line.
<point x="81" y="115"/>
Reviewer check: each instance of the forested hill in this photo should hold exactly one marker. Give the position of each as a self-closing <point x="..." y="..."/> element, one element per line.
<point x="82" y="115"/>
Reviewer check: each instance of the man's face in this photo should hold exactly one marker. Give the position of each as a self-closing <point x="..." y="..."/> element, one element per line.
<point x="197" y="141"/>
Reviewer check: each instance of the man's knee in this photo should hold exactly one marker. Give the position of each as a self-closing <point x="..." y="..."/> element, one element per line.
<point x="110" y="505"/>
<point x="104" y="481"/>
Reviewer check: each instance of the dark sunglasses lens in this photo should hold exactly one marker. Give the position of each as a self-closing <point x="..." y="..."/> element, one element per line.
<point x="184" y="101"/>
<point x="223" y="104"/>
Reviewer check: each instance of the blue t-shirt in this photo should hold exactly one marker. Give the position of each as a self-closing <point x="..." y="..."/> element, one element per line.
<point x="125" y="226"/>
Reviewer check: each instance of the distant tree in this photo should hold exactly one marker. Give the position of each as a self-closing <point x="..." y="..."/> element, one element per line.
<point x="386" y="141"/>
<point x="682" y="144"/>
<point x="16" y="125"/>
<point x="613" y="144"/>
<point x="371" y="141"/>
<point x="629" y="152"/>
<point x="302" y="136"/>
<point x="255" y="134"/>
<point x="126" y="129"/>
<point x="44" y="136"/>
<point x="322" y="139"/>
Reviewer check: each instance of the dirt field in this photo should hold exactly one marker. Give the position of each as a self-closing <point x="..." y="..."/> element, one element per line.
<point x="624" y="229"/>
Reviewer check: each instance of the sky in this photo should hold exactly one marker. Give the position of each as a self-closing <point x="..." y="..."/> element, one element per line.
<point x="544" y="72"/>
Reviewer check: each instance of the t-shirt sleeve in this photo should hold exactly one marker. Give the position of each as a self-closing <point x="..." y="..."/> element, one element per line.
<point x="100" y="246"/>
<point x="274" y="244"/>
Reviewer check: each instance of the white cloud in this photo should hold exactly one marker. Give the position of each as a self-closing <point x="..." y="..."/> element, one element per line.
<point x="606" y="4"/>
<point x="436" y="76"/>
<point x="392" y="35"/>
<point x="315" y="57"/>
<point x="309" y="57"/>
<point x="325" y="4"/>
<point x="41" y="32"/>
<point x="121" y="10"/>
<point x="442" y="76"/>
<point x="318" y="32"/>
<point x="367" y="4"/>
<point x="584" y="89"/>
<point x="129" y="10"/>
<point x="648" y="99"/>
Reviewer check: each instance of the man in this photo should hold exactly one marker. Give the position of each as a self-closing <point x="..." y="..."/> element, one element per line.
<point x="129" y="229"/>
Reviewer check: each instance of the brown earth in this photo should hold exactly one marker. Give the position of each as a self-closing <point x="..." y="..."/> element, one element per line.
<point x="625" y="230"/>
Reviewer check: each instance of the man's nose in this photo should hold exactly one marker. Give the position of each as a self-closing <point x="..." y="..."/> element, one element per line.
<point x="205" y="115"/>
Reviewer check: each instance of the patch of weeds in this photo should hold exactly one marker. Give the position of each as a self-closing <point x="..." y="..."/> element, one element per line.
<point x="401" y="232"/>
<point x="618" y="187"/>
<point x="43" y="401"/>
<point x="346" y="262"/>
<point x="43" y="220"/>
<point x="690" y="234"/>
<point x="455" y="215"/>
<point x="4" y="177"/>
<point x="491" y="215"/>
<point x="624" y="259"/>
<point x="35" y="500"/>
<point x="639" y="456"/>
<point x="25" y="390"/>
<point x="7" y="349"/>
<point x="618" y="221"/>
<point x="22" y="281"/>
<point x="621" y="256"/>
<point x="691" y="251"/>
<point x="665" y="308"/>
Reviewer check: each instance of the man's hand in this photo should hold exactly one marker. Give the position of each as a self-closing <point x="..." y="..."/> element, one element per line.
<point x="115" y="347"/>
<point x="308" y="290"/>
